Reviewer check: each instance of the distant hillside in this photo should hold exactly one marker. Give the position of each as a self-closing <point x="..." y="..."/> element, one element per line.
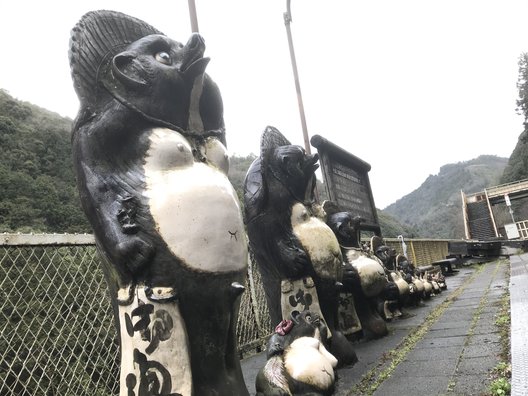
<point x="238" y="167"/>
<point x="434" y="210"/>
<point x="392" y="227"/>
<point x="37" y="182"/>
<point x="517" y="168"/>
<point x="37" y="188"/>
<point x="38" y="192"/>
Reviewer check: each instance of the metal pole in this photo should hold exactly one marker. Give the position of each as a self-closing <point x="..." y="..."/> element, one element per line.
<point x="508" y="204"/>
<point x="287" y="21"/>
<point x="192" y="15"/>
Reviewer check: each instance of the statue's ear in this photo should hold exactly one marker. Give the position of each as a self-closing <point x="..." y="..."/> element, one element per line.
<point x="129" y="70"/>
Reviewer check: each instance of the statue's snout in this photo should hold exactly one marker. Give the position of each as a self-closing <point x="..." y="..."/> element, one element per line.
<point x="193" y="62"/>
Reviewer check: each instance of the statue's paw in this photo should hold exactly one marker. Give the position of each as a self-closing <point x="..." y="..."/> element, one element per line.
<point x="130" y="228"/>
<point x="295" y="260"/>
<point x="350" y="277"/>
<point x="135" y="253"/>
<point x="300" y="263"/>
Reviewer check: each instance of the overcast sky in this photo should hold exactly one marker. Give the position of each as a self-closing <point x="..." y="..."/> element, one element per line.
<point x="407" y="86"/>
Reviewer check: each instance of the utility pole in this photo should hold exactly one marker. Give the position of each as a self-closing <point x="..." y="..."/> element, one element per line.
<point x="287" y="21"/>
<point x="192" y="15"/>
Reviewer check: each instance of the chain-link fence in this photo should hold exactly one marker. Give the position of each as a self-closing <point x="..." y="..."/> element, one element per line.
<point x="57" y="333"/>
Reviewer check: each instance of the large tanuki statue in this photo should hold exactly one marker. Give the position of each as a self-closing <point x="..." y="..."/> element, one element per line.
<point x="297" y="253"/>
<point x="148" y="146"/>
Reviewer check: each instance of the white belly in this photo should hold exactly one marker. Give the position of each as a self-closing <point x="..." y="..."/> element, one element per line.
<point x="194" y="205"/>
<point x="371" y="274"/>
<point x="319" y="242"/>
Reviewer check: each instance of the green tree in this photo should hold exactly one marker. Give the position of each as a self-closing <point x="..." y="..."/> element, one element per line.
<point x="37" y="183"/>
<point x="238" y="167"/>
<point x="517" y="168"/>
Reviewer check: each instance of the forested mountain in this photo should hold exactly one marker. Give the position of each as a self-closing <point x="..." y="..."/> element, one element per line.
<point x="37" y="188"/>
<point x="37" y="183"/>
<point x="238" y="167"/>
<point x="434" y="210"/>
<point x="38" y="192"/>
<point x="391" y="227"/>
<point x="517" y="168"/>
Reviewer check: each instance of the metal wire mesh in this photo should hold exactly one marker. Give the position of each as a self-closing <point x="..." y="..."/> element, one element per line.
<point x="57" y="333"/>
<point x="254" y="324"/>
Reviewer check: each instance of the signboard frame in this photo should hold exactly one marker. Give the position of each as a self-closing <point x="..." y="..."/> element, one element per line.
<point x="347" y="182"/>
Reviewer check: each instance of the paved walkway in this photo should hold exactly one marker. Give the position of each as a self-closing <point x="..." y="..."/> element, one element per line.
<point x="519" y="326"/>
<point x="448" y="346"/>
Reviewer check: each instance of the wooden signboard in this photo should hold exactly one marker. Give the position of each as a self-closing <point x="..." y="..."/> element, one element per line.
<point x="347" y="183"/>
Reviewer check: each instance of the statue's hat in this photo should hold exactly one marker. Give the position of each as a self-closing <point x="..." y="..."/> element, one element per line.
<point x="95" y="40"/>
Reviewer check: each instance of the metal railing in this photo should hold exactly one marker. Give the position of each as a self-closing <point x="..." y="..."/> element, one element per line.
<point x="522" y="227"/>
<point x="507" y="188"/>
<point x="421" y="251"/>
<point x="57" y="333"/>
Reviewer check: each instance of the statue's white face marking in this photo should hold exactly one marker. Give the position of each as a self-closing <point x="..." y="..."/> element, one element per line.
<point x="308" y="361"/>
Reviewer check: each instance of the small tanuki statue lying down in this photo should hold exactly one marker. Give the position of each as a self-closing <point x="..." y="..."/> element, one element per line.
<point x="298" y="362"/>
<point x="151" y="164"/>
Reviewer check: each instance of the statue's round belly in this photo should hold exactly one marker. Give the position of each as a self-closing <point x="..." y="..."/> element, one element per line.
<point x="197" y="214"/>
<point x="319" y="242"/>
<point x="371" y="273"/>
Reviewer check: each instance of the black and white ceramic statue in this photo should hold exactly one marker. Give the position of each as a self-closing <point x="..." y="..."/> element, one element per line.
<point x="297" y="253"/>
<point x="151" y="164"/>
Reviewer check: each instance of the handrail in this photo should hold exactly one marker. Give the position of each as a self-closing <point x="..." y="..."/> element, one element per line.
<point x="491" y="213"/>
<point x="507" y="188"/>
<point x="46" y="239"/>
<point x="498" y="190"/>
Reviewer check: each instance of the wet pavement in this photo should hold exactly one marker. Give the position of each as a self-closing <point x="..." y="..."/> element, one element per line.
<point x="519" y="325"/>
<point x="447" y="346"/>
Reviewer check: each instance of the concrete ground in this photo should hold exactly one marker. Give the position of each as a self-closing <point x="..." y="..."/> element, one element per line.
<point x="519" y="324"/>
<point x="448" y="346"/>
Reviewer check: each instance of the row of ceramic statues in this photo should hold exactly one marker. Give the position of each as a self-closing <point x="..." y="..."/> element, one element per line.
<point x="150" y="156"/>
<point x="324" y="287"/>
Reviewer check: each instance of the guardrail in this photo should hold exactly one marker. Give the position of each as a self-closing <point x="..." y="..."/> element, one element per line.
<point x="421" y="251"/>
<point x="507" y="188"/>
<point x="57" y="334"/>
